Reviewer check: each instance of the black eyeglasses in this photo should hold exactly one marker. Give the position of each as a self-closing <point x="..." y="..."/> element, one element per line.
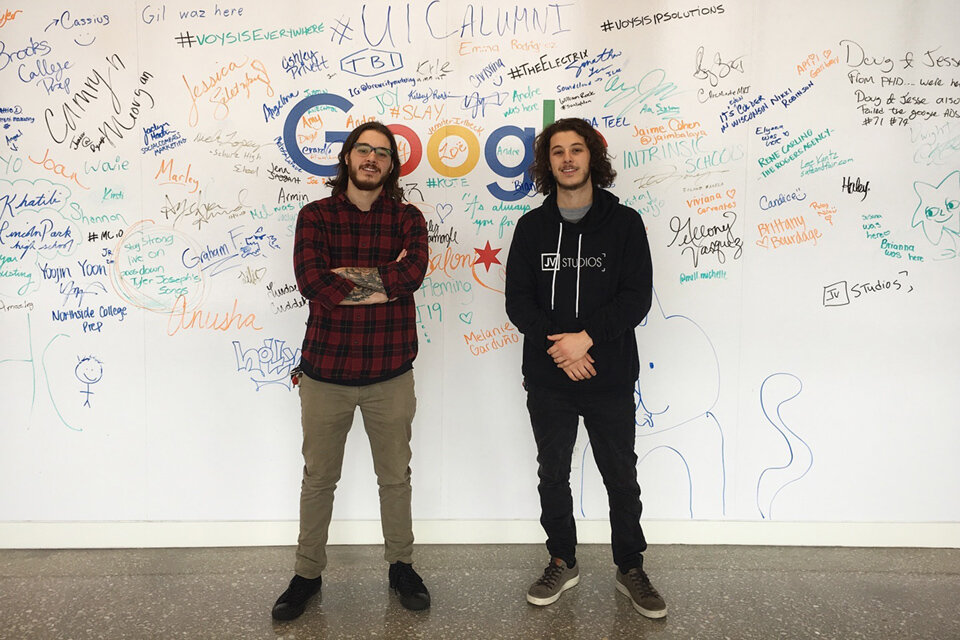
<point x="364" y="150"/>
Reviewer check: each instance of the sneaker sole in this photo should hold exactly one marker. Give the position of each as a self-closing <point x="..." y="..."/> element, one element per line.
<point x="649" y="613"/>
<point x="541" y="602"/>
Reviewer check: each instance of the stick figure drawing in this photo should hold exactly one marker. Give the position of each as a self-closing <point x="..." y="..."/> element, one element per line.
<point x="89" y="371"/>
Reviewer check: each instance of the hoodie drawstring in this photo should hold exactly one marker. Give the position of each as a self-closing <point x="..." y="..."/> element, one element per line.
<point x="579" y="243"/>
<point x="553" y="286"/>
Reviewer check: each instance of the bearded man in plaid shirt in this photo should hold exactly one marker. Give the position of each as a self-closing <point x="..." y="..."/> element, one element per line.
<point x="359" y="256"/>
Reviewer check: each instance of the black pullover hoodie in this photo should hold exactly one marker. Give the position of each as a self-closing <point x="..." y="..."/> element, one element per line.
<point x="594" y="275"/>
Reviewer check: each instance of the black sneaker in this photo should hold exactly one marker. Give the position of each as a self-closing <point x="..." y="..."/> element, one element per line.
<point x="636" y="585"/>
<point x="408" y="586"/>
<point x="293" y="601"/>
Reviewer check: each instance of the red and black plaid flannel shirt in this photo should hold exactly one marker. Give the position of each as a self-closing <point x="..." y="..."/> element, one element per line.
<point x="359" y="344"/>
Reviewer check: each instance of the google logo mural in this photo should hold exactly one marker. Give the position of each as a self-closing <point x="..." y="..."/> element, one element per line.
<point x="525" y="135"/>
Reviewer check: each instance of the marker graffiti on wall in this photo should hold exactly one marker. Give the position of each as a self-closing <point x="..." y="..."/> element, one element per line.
<point x="268" y="364"/>
<point x="776" y="391"/>
<point x="89" y="371"/>
<point x="938" y="214"/>
<point x="153" y="164"/>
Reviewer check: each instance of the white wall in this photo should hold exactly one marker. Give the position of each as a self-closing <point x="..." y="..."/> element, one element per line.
<point x="798" y="366"/>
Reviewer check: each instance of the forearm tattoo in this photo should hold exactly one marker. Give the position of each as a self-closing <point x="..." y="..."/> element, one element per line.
<point x="359" y="294"/>
<point x="365" y="277"/>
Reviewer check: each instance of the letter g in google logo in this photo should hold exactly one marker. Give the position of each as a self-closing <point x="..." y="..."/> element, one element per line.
<point x="290" y="132"/>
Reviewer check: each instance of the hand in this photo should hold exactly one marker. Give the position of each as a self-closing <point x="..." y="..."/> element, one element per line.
<point x="402" y="255"/>
<point x="582" y="369"/>
<point x="569" y="347"/>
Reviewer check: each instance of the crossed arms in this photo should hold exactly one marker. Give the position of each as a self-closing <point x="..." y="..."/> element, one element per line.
<point x="350" y="285"/>
<point x="369" y="287"/>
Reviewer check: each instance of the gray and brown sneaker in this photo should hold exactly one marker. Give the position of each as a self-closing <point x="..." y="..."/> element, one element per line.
<point x="556" y="579"/>
<point x="636" y="585"/>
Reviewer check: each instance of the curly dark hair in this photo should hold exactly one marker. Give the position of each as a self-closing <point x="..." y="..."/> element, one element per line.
<point x="392" y="185"/>
<point x="602" y="173"/>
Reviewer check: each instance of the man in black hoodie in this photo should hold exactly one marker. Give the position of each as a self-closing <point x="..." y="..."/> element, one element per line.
<point x="579" y="280"/>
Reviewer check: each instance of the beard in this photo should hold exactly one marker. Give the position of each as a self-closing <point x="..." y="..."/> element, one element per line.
<point x="364" y="182"/>
<point x="573" y="186"/>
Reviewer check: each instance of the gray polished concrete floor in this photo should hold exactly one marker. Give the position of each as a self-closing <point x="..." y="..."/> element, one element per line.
<point x="478" y="592"/>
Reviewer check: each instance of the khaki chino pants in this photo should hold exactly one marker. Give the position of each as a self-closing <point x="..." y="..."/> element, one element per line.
<point x="327" y="412"/>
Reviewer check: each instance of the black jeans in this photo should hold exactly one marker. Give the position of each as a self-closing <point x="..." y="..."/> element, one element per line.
<point x="610" y="423"/>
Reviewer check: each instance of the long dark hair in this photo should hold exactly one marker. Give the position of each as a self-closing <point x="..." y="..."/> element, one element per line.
<point x="601" y="172"/>
<point x="392" y="184"/>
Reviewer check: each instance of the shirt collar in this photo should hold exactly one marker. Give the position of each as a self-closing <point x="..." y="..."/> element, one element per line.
<point x="375" y="205"/>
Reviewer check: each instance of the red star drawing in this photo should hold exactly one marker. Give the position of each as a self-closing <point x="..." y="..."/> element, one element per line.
<point x="487" y="256"/>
